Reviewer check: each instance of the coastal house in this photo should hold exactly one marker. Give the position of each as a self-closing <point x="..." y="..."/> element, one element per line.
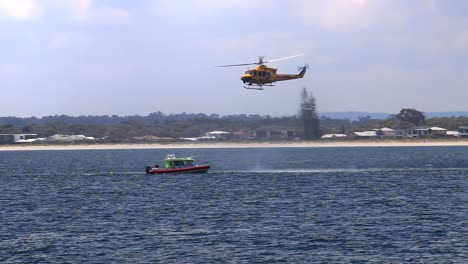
<point x="272" y="133"/>
<point x="220" y="135"/>
<point x="385" y="132"/>
<point x="400" y="133"/>
<point x="241" y="135"/>
<point x="281" y="134"/>
<point x="463" y="131"/>
<point x="17" y="138"/>
<point x="417" y="132"/>
<point x="438" y="131"/>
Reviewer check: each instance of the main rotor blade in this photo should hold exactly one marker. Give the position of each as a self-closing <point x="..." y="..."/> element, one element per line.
<point x="285" y="58"/>
<point x="242" y="64"/>
<point x="260" y="61"/>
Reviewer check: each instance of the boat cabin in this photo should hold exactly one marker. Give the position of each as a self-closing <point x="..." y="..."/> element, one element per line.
<point x="173" y="162"/>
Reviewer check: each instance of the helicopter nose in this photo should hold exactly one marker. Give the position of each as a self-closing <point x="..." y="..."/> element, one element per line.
<point x="245" y="78"/>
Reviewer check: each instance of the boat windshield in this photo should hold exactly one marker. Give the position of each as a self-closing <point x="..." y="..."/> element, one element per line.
<point x="183" y="163"/>
<point x="174" y="163"/>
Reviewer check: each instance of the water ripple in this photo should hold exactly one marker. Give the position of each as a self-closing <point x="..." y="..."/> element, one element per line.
<point x="100" y="207"/>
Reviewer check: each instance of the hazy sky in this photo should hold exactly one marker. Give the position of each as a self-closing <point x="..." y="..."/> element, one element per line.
<point x="95" y="57"/>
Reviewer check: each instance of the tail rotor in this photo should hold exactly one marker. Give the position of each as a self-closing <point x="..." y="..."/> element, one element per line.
<point x="300" y="68"/>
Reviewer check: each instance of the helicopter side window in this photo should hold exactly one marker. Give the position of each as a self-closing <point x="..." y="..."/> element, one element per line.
<point x="254" y="73"/>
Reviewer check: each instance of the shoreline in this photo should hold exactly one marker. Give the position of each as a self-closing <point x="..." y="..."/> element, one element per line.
<point x="207" y="145"/>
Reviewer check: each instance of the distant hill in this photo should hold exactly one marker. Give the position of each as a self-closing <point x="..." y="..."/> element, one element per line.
<point x="446" y="114"/>
<point x="355" y="115"/>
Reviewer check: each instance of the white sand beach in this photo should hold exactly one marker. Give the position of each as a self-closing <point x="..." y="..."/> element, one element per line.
<point x="295" y="144"/>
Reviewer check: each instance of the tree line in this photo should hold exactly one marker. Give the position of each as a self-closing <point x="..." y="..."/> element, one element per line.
<point x="307" y="124"/>
<point x="175" y="126"/>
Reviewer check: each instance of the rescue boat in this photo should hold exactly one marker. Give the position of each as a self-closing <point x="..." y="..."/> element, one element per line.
<point x="174" y="165"/>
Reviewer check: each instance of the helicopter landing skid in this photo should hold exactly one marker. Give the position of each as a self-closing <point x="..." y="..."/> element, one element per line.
<point x="257" y="86"/>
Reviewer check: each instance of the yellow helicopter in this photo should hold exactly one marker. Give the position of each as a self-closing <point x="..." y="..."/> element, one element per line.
<point x="263" y="75"/>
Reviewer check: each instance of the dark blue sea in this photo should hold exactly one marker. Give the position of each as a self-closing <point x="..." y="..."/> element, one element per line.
<point x="256" y="205"/>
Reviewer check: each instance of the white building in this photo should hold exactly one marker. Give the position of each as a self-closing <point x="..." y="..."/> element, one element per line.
<point x="217" y="134"/>
<point x="17" y="138"/>
<point x="366" y="134"/>
<point x="452" y="133"/>
<point x="331" y="136"/>
<point x="68" y="138"/>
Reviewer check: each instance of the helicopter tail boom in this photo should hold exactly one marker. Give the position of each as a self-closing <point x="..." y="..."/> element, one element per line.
<point x="285" y="77"/>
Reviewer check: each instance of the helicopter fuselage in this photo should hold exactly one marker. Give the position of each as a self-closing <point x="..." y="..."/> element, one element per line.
<point x="262" y="75"/>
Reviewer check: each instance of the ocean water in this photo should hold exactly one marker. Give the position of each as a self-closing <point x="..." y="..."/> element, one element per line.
<point x="269" y="205"/>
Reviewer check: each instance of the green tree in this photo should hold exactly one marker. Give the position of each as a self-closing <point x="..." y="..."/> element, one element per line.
<point x="309" y="115"/>
<point x="412" y="116"/>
